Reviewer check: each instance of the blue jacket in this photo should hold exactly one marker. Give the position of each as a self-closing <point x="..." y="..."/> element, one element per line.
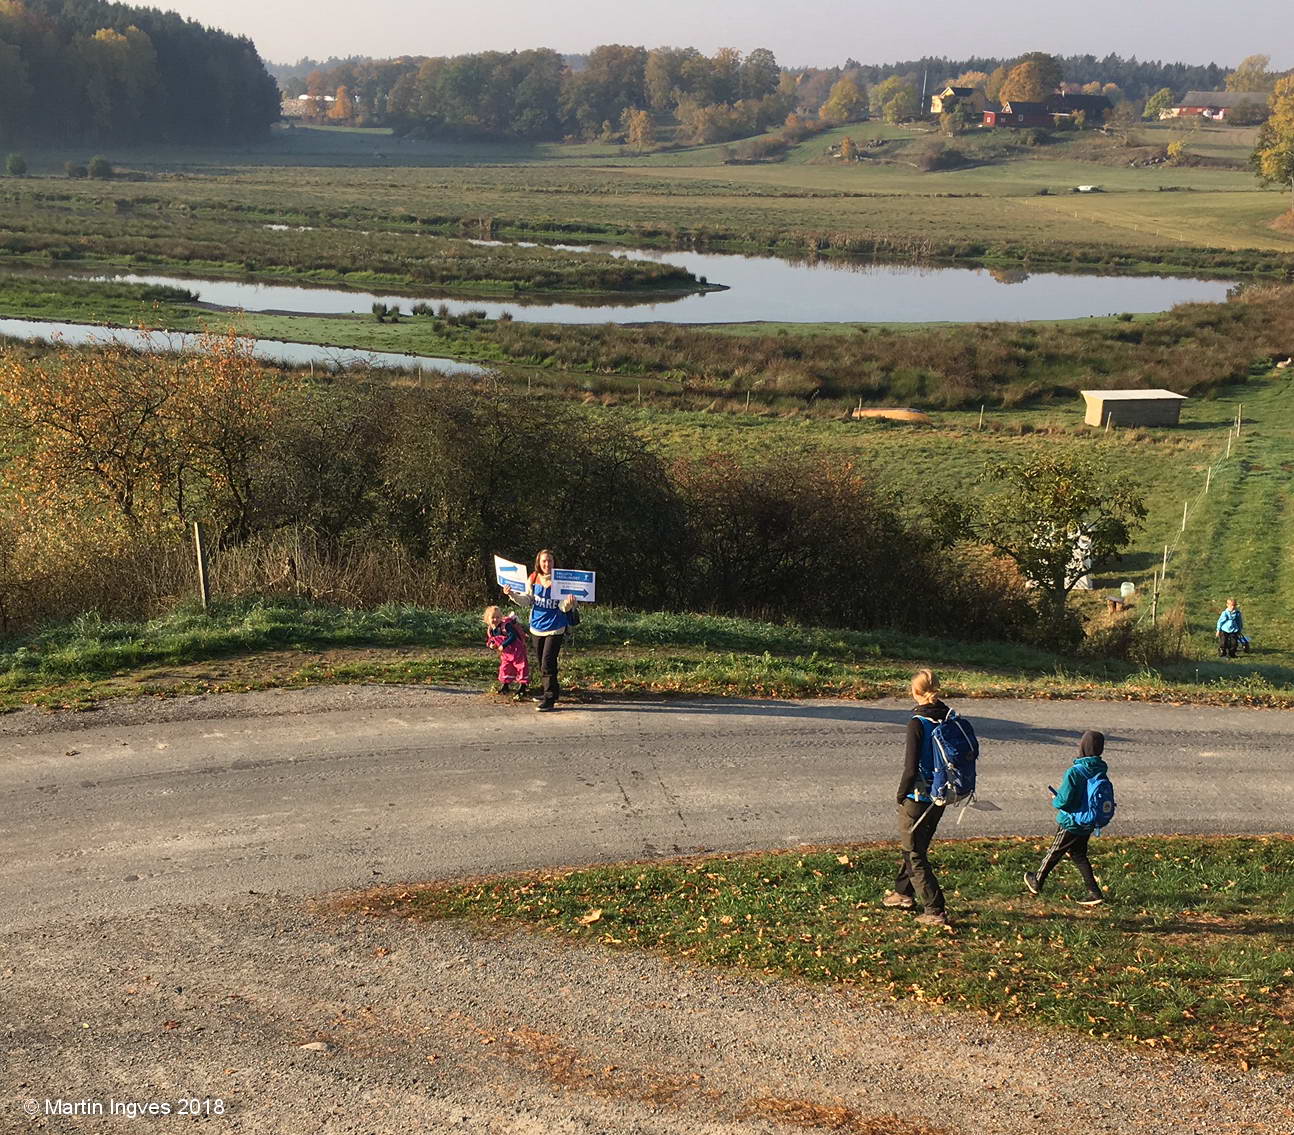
<point x="1071" y="796"/>
<point x="1231" y="622"/>
<point x="546" y="614"/>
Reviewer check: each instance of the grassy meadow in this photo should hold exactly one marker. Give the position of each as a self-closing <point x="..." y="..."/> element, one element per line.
<point x="1192" y="954"/>
<point x="364" y="208"/>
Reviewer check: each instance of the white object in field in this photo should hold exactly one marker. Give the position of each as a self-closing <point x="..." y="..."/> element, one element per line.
<point x="1127" y="590"/>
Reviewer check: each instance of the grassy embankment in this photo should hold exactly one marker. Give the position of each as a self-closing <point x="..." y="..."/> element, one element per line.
<point x="1193" y="954"/>
<point x="1236" y="542"/>
<point x="246" y="645"/>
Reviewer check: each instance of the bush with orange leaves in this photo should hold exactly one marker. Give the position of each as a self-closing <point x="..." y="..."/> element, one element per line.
<point x="107" y="452"/>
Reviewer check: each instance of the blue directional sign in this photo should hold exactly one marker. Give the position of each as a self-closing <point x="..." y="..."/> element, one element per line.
<point x="581" y="584"/>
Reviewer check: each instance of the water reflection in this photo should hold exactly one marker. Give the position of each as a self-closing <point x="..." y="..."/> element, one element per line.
<point x="767" y="289"/>
<point x="269" y="350"/>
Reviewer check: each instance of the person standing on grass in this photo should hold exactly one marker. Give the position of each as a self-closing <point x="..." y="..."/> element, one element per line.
<point x="1231" y="626"/>
<point x="1075" y="822"/>
<point x="918" y="814"/>
<point x="549" y="621"/>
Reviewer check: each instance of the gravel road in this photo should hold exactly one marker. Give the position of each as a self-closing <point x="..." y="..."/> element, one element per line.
<point x="136" y="967"/>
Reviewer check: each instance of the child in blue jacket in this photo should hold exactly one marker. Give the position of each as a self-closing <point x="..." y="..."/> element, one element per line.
<point x="1072" y="834"/>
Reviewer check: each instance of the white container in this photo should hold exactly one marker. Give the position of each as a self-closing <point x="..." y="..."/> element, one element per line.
<point x="1127" y="590"/>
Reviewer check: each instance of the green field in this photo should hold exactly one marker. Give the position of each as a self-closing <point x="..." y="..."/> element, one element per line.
<point x="1192" y="953"/>
<point x="990" y="207"/>
<point x="367" y="208"/>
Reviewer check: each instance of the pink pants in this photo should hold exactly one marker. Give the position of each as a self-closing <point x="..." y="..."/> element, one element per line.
<point x="514" y="666"/>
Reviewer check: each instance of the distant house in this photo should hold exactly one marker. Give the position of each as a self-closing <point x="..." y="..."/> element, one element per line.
<point x="1093" y="107"/>
<point x="1018" y="113"/>
<point x="306" y="106"/>
<point x="1216" y="105"/>
<point x="944" y="101"/>
<point x="1132" y="407"/>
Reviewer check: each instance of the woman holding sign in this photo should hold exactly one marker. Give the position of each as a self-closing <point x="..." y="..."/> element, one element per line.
<point x="549" y="619"/>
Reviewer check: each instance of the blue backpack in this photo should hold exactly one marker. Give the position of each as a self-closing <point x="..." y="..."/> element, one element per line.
<point x="1100" y="804"/>
<point x="956" y="749"/>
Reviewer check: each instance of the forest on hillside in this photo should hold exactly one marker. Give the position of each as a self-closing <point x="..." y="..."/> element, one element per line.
<point x="84" y="71"/>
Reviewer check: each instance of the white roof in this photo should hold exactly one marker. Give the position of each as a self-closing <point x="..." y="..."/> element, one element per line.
<point x="1130" y="395"/>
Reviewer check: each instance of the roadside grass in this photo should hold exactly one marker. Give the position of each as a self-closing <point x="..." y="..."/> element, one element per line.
<point x="1194" y="953"/>
<point x="285" y="642"/>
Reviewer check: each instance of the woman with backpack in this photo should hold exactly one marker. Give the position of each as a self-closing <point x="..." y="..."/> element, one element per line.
<point x="919" y="815"/>
<point x="550" y="618"/>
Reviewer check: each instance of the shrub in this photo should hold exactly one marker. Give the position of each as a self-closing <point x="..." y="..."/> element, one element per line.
<point x="101" y="169"/>
<point x="15" y="165"/>
<point x="75" y="170"/>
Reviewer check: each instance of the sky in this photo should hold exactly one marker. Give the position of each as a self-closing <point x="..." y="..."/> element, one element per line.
<point x="823" y="33"/>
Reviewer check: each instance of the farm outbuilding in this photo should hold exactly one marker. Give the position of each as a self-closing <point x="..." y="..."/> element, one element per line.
<point x="1133" y="407"/>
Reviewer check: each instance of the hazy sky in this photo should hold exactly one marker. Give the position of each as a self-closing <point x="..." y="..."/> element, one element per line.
<point x="823" y="33"/>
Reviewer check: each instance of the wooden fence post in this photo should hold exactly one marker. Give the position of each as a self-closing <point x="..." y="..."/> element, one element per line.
<point x="200" y="551"/>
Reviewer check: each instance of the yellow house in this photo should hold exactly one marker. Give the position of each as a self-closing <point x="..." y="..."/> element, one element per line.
<point x="950" y="96"/>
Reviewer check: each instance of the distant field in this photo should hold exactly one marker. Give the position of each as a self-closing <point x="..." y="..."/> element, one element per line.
<point x="598" y="191"/>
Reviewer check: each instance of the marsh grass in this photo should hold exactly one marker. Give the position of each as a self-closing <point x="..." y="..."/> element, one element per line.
<point x="1193" y="953"/>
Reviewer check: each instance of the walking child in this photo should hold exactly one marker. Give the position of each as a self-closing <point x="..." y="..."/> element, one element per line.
<point x="1084" y="804"/>
<point x="502" y="633"/>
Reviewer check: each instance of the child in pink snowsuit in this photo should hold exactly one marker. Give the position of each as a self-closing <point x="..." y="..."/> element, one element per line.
<point x="504" y="635"/>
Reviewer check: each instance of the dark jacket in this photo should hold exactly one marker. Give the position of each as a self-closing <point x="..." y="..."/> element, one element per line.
<point x="1071" y="796"/>
<point x="915" y="782"/>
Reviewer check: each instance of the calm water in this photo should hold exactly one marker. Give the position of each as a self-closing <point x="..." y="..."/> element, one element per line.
<point x="271" y="350"/>
<point x="774" y="290"/>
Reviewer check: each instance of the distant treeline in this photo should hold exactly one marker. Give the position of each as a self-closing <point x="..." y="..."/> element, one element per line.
<point x="1136" y="79"/>
<point x="87" y="71"/>
<point x="535" y="95"/>
<point x="539" y="94"/>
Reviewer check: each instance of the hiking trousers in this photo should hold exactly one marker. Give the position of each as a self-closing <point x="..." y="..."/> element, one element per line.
<point x="1073" y="844"/>
<point x="916" y="878"/>
<point x="547" y="649"/>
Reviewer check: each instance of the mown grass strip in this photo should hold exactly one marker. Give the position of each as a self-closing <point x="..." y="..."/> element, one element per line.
<point x="1194" y="952"/>
<point x="614" y="651"/>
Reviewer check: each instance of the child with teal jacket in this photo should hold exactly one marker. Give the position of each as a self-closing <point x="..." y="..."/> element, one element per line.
<point x="1073" y="828"/>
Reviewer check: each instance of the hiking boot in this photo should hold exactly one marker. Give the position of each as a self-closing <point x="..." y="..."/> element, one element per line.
<point x="933" y="918"/>
<point x="1031" y="881"/>
<point x="505" y="687"/>
<point x="545" y="707"/>
<point x="903" y="902"/>
<point x="1091" y="900"/>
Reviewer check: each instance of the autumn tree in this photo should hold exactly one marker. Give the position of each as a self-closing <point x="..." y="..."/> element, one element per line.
<point x="342" y="109"/>
<point x="1252" y="74"/>
<point x="895" y="99"/>
<point x="1273" y="156"/>
<point x="845" y="103"/>
<point x="640" y="130"/>
<point x="848" y="150"/>
<point x="1024" y="84"/>
<point x="1161" y="100"/>
<point x="973" y="79"/>
<point x="1049" y="70"/>
<point x="994" y="83"/>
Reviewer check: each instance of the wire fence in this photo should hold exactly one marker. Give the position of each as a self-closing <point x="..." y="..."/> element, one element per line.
<point x="1189" y="507"/>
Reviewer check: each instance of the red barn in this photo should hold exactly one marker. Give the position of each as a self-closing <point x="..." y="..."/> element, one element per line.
<point x="1018" y="113"/>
